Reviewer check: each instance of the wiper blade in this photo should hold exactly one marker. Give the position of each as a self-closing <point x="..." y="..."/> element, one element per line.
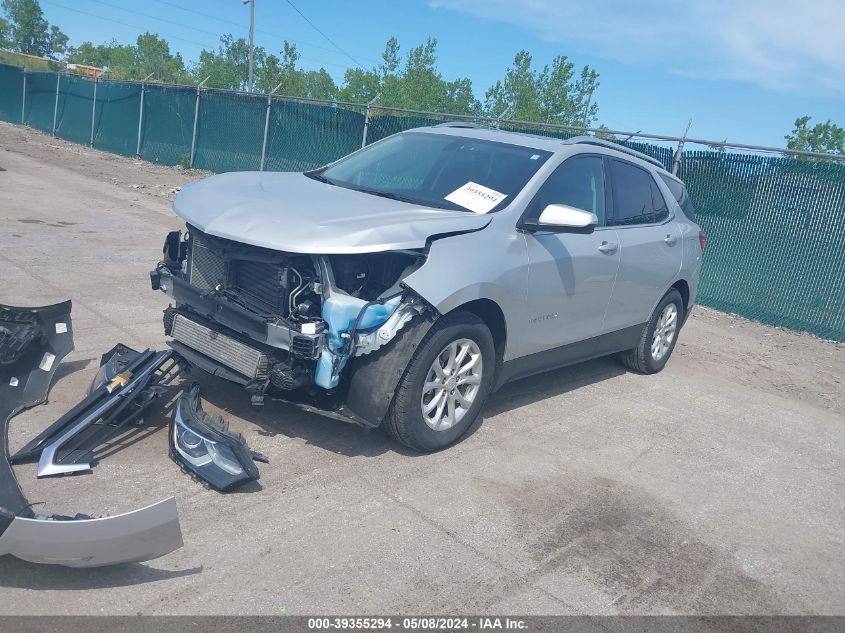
<point x="318" y="177"/>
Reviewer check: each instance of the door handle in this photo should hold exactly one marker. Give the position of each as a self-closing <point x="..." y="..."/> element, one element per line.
<point x="670" y="240"/>
<point x="608" y="247"/>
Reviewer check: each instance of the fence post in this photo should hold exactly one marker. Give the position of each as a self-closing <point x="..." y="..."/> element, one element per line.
<point x="94" y="108"/>
<point x="23" y="99"/>
<point x="141" y="116"/>
<point x="196" y="120"/>
<point x="676" y="161"/>
<point x="267" y="125"/>
<point x="56" y="105"/>
<point x="503" y="115"/>
<point x="367" y="119"/>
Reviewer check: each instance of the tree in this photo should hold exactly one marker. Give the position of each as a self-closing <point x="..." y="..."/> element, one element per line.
<point x="28" y="32"/>
<point x="320" y="85"/>
<point x="153" y="57"/>
<point x="5" y="34"/>
<point x="553" y="95"/>
<point x="824" y="137"/>
<point x="415" y="84"/>
<point x="282" y="74"/>
<point x="227" y="67"/>
<point x="359" y="85"/>
<point x="150" y="55"/>
<point x="57" y="42"/>
<point x="119" y="58"/>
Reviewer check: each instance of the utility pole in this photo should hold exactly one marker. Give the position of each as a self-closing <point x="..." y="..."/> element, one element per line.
<point x="251" y="4"/>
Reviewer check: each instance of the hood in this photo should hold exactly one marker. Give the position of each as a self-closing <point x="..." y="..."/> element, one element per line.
<point x="288" y="211"/>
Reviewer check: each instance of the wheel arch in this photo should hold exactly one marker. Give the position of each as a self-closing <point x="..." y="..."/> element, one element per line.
<point x="494" y="318"/>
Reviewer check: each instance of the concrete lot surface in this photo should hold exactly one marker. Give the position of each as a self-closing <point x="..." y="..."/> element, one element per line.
<point x="714" y="487"/>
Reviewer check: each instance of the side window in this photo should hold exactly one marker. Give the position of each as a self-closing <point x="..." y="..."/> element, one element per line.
<point x="680" y="192"/>
<point x="661" y="210"/>
<point x="637" y="199"/>
<point x="579" y="183"/>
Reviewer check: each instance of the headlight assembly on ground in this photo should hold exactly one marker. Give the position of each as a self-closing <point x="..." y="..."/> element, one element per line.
<point x="202" y="444"/>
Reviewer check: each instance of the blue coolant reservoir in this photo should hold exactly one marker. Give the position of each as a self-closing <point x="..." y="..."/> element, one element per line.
<point x="339" y="313"/>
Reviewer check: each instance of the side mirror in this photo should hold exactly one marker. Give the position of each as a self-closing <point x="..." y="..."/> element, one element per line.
<point x="560" y="218"/>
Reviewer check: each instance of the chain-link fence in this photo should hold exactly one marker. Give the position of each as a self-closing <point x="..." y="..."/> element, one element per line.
<point x="775" y="224"/>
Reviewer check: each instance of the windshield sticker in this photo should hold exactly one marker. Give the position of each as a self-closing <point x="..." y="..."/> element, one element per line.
<point x="477" y="198"/>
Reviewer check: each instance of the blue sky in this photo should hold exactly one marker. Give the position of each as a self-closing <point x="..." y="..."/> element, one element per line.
<point x="742" y="70"/>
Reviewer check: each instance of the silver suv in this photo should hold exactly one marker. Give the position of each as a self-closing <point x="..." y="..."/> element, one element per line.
<point x="401" y="284"/>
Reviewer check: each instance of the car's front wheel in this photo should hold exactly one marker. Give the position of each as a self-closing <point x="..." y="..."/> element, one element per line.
<point x="444" y="386"/>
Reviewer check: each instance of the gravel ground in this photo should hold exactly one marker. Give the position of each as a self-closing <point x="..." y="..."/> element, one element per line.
<point x="714" y="487"/>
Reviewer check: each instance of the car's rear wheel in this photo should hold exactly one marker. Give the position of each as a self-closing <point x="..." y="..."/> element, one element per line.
<point x="658" y="337"/>
<point x="444" y="386"/>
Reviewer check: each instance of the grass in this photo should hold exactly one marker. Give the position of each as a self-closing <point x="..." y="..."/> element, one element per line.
<point x="29" y="63"/>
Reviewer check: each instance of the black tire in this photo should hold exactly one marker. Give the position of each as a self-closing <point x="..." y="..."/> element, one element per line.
<point x="404" y="420"/>
<point x="640" y="358"/>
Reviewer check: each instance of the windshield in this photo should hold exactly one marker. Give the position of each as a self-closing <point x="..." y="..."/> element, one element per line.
<point x="425" y="169"/>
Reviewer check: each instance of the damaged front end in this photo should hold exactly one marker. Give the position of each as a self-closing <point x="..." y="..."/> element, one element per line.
<point x="291" y="326"/>
<point x="33" y="342"/>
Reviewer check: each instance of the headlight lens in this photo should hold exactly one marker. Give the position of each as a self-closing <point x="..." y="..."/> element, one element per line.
<point x="215" y="456"/>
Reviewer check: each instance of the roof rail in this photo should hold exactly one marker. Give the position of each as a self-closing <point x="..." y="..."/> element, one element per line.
<point x="464" y="124"/>
<point x="591" y="140"/>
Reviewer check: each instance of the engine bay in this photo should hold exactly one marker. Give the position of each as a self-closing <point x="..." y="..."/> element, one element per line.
<point x="276" y="321"/>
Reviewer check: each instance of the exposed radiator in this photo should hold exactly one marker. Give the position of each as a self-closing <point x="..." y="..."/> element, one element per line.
<point x="227" y="351"/>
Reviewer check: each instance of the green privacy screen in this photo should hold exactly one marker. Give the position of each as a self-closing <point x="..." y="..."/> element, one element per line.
<point x="230" y="131"/>
<point x="304" y="136"/>
<point x="775" y="238"/>
<point x="117" y="117"/>
<point x="11" y="93"/>
<point x="775" y="226"/>
<point x="40" y="100"/>
<point x="168" y="124"/>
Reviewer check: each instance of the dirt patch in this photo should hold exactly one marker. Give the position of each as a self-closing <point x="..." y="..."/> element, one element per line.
<point x="134" y="175"/>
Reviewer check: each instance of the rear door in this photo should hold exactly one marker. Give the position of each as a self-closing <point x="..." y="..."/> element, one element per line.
<point x="650" y="243"/>
<point x="570" y="275"/>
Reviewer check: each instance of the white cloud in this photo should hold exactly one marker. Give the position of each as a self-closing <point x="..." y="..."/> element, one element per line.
<point x="785" y="45"/>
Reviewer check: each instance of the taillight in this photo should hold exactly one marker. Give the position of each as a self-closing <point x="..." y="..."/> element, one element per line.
<point x="701" y="240"/>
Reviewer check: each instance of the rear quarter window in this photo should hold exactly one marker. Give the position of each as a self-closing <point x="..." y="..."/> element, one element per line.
<point x="679" y="191"/>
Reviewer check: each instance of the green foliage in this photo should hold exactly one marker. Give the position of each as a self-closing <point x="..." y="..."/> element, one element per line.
<point x="227" y="67"/>
<point x="553" y="95"/>
<point x="25" y="30"/>
<point x="824" y="137"/>
<point x="558" y="93"/>
<point x="149" y="55"/>
<point x="5" y="33"/>
<point x="414" y="84"/>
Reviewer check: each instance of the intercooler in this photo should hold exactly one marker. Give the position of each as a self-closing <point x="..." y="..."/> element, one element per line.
<point x="224" y="349"/>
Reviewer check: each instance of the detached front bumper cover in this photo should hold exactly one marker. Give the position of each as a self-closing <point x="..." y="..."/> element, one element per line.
<point x="33" y="341"/>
